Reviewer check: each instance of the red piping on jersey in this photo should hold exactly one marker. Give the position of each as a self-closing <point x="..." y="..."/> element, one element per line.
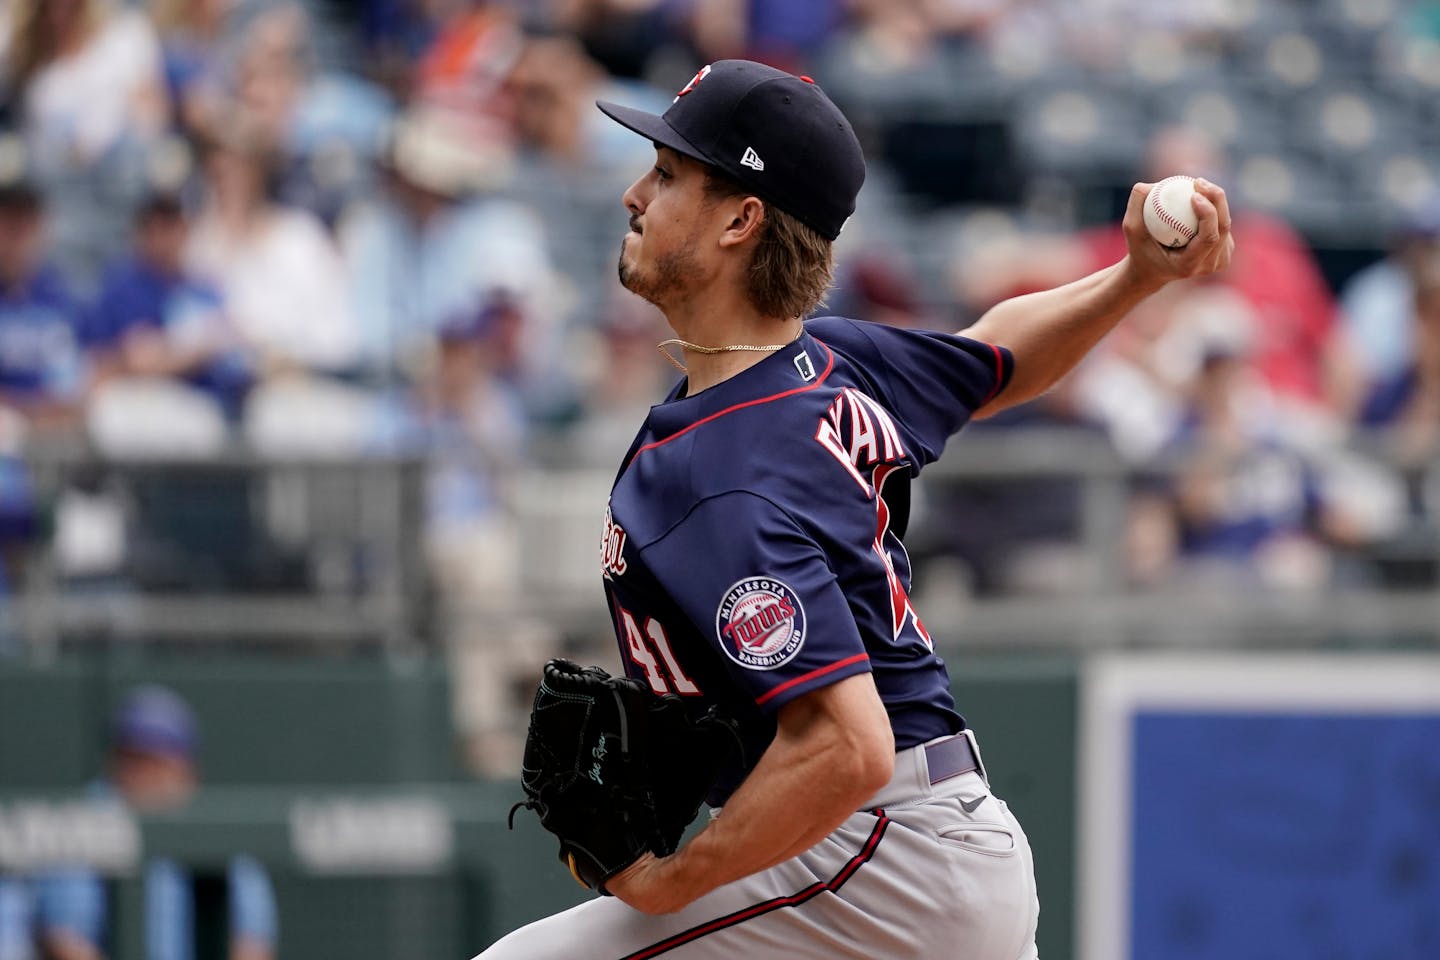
<point x="829" y="365"/>
<point x="999" y="373"/>
<point x="796" y="681"/>
<point x="766" y="906"/>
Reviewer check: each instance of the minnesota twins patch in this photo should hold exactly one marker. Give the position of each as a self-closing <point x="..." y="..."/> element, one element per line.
<point x="760" y="623"/>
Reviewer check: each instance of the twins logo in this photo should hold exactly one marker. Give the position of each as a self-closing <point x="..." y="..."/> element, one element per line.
<point x="704" y="72"/>
<point x="760" y="623"/>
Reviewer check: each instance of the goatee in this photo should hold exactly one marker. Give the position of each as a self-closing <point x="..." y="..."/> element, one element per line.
<point x="670" y="273"/>
<point x="629" y="279"/>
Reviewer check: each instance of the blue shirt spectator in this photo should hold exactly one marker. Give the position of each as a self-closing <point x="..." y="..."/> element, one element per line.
<point x="154" y="318"/>
<point x="40" y="335"/>
<point x="182" y="313"/>
<point x="435" y="244"/>
<point x="41" y="373"/>
<point x="65" y="912"/>
<point x="39" y="914"/>
<point x="137" y="294"/>
<point x="74" y="904"/>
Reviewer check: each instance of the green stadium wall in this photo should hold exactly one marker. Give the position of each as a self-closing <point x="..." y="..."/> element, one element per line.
<point x="283" y="732"/>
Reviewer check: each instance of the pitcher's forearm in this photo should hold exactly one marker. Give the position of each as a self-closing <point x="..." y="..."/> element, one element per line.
<point x="1049" y="332"/>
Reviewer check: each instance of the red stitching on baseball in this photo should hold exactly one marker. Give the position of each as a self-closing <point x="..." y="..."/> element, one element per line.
<point x="1166" y="218"/>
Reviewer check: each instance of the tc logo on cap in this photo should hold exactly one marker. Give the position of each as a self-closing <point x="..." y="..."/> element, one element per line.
<point x="694" y="81"/>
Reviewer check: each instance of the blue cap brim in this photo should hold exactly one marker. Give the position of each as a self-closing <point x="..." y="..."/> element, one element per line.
<point x="652" y="127"/>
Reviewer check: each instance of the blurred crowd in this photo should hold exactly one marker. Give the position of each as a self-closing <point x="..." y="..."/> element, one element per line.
<point x="380" y="227"/>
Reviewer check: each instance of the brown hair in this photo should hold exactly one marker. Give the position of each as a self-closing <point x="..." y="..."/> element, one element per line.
<point x="32" y="45"/>
<point x="792" y="266"/>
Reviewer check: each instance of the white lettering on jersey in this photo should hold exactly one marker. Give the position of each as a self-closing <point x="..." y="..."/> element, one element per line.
<point x="866" y="437"/>
<point x="889" y="434"/>
<point x="901" y="608"/>
<point x="612" y="548"/>
<point x="862" y="436"/>
<point x="633" y="644"/>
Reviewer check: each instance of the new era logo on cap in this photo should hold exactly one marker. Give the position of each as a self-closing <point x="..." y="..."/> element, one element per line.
<point x="752" y="160"/>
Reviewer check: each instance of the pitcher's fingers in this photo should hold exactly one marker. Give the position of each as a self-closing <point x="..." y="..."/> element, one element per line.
<point x="1208" y="231"/>
<point x="1218" y="257"/>
<point x="1224" y="253"/>
<point x="1216" y="195"/>
<point x="1135" y="207"/>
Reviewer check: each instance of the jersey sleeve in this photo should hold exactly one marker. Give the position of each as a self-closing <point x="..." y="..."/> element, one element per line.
<point x="931" y="382"/>
<point x="253" y="916"/>
<point x="762" y="594"/>
<point x="71" y="901"/>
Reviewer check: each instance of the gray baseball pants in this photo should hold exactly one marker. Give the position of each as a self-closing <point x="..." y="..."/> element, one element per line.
<point x="922" y="873"/>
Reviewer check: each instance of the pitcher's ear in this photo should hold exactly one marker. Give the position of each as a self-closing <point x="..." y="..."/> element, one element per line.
<point x="746" y="217"/>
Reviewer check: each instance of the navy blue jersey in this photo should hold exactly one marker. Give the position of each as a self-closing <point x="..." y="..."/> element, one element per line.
<point x="752" y="546"/>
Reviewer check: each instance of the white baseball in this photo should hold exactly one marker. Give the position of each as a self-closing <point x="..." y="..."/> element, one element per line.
<point x="1169" y="215"/>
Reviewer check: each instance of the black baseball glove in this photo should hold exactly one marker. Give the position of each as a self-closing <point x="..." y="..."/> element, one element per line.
<point x="614" y="770"/>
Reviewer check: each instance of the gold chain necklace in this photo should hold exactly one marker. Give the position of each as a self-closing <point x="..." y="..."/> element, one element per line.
<point x="768" y="348"/>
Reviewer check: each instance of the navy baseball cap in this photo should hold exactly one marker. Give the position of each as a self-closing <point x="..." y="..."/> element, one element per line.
<point x="776" y="134"/>
<point x="154" y="720"/>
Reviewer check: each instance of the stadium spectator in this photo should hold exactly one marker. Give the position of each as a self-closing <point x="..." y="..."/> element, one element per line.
<point x="277" y="268"/>
<point x="1406" y="404"/>
<point x="151" y="768"/>
<point x="88" y="76"/>
<point x="154" y="319"/>
<point x="438" y="240"/>
<point x="324" y="128"/>
<point x="575" y="161"/>
<point x="394" y="33"/>
<point x="85" y="80"/>
<point x="1249" y="504"/>
<point x="554" y="86"/>
<point x="1408" y="399"/>
<point x="1139" y="386"/>
<point x="474" y="48"/>
<point x="42" y="370"/>
<point x="477" y="432"/>
<point x="1378" y="304"/>
<point x="192" y="37"/>
<point x="475" y="422"/>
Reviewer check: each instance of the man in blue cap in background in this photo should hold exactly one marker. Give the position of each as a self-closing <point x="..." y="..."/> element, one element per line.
<point x="65" y="914"/>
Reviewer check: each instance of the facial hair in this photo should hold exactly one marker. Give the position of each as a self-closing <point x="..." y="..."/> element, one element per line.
<point x="670" y="273"/>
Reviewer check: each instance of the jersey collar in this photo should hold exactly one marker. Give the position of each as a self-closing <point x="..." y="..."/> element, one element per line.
<point x="800" y="365"/>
